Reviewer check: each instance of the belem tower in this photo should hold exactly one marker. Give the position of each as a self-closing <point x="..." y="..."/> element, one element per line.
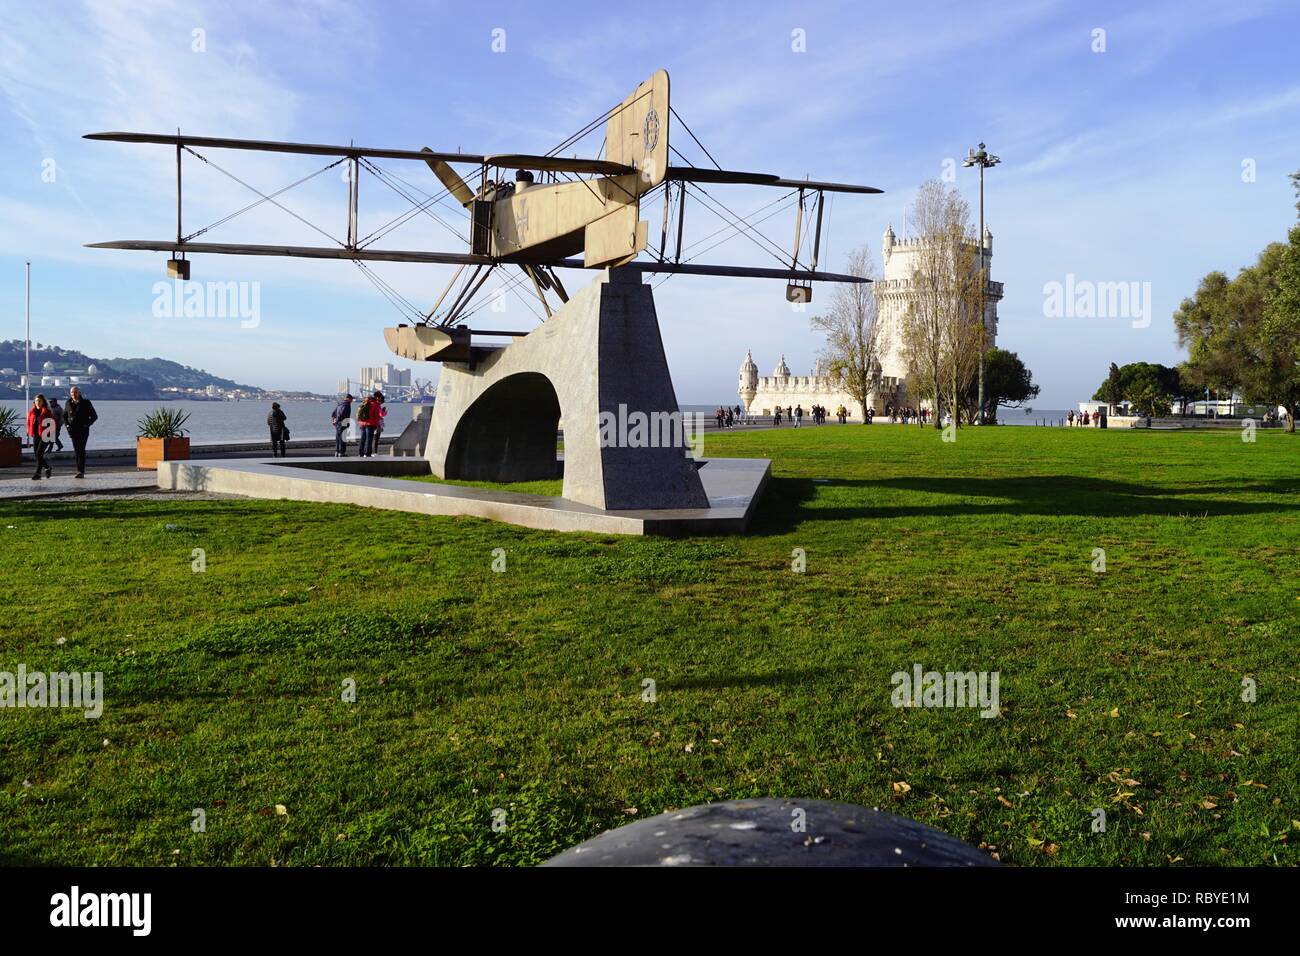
<point x="761" y="394"/>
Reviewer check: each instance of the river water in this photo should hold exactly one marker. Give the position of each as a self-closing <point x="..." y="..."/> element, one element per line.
<point x="212" y="423"/>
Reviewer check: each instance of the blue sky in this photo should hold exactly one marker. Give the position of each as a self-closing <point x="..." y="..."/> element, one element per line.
<point x="1122" y="165"/>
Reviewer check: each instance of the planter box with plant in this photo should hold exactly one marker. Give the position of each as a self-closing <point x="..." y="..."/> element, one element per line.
<point x="11" y="441"/>
<point x="162" y="438"/>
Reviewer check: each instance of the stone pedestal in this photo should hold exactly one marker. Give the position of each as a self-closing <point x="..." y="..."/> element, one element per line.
<point x="411" y="443"/>
<point x="598" y="366"/>
<point x="774" y="832"/>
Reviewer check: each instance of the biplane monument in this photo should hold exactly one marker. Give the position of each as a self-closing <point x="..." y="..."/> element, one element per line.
<point x="597" y="357"/>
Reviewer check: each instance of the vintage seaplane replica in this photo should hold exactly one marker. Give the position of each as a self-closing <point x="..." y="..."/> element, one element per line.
<point x="497" y="407"/>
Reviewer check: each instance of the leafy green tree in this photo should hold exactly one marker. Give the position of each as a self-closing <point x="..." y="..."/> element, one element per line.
<point x="1112" y="390"/>
<point x="1243" y="334"/>
<point x="1007" y="382"/>
<point x="1152" y="384"/>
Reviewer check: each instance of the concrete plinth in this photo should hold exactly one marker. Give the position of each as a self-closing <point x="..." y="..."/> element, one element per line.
<point x="733" y="486"/>
<point x="597" y="364"/>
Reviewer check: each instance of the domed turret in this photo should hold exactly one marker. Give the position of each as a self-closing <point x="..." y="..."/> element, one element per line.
<point x="887" y="243"/>
<point x="748" y="379"/>
<point x="782" y="370"/>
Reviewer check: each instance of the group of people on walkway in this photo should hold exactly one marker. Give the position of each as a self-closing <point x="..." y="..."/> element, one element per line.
<point x="1084" y="419"/>
<point x="370" y="423"/>
<point x="727" y="417"/>
<point x="819" y="414"/>
<point x="908" y="415"/>
<point x="46" y="420"/>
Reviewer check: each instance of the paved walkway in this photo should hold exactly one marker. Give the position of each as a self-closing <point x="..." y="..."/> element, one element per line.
<point x="16" y="484"/>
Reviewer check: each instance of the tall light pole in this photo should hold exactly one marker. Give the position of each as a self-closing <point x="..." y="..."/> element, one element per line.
<point x="27" y="344"/>
<point x="984" y="160"/>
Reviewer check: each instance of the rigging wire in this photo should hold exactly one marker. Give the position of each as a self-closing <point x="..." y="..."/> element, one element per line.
<point x="254" y="205"/>
<point x="264" y="196"/>
<point x="673" y="110"/>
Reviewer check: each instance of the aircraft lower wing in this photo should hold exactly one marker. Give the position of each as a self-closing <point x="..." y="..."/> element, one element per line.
<point x="704" y="269"/>
<point x="303" y="252"/>
<point x="461" y="258"/>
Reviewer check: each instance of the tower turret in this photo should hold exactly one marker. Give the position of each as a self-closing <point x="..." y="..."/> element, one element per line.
<point x="748" y="379"/>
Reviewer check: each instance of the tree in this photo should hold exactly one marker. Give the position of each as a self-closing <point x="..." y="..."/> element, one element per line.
<point x="1112" y="390"/>
<point x="1145" y="384"/>
<point x="941" y="331"/>
<point x="1241" y="333"/>
<point x="1006" y="383"/>
<point x="852" y="351"/>
<point x="1279" y="376"/>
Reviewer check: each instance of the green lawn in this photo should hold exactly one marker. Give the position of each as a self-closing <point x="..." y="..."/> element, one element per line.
<point x="550" y="487"/>
<point x="522" y="690"/>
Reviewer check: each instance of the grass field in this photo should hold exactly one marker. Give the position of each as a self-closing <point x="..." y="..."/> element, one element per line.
<point x="522" y="690"/>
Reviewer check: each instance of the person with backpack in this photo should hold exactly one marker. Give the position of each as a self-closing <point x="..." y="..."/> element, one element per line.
<point x="368" y="418"/>
<point x="279" y="431"/>
<point x="342" y="415"/>
<point x="382" y="413"/>
<point x="40" y="426"/>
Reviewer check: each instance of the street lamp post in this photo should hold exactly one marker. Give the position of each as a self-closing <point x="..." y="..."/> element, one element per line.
<point x="984" y="160"/>
<point x="27" y="346"/>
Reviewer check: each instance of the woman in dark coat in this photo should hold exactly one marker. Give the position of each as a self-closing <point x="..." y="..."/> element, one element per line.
<point x="279" y="432"/>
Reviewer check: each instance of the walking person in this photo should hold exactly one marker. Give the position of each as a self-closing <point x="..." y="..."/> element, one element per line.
<point x="379" y="423"/>
<point x="40" y="426"/>
<point x="57" y="411"/>
<point x="341" y="417"/>
<point x="368" y="418"/>
<point x="275" y="420"/>
<point x="78" y="415"/>
<point x="798" y="415"/>
<point x="366" y="427"/>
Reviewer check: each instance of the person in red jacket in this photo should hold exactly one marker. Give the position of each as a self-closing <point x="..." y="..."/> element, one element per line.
<point x="368" y="418"/>
<point x="40" y="426"/>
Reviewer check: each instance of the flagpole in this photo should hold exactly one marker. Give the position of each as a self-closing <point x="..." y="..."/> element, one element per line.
<point x="27" y="344"/>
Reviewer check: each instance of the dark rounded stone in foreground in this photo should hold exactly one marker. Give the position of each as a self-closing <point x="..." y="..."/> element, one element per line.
<point x="760" y="833"/>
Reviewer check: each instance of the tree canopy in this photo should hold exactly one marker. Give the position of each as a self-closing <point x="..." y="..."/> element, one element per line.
<point x="1007" y="382"/>
<point x="1243" y="334"/>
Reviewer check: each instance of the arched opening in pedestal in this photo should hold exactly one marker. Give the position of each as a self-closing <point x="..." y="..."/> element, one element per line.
<point x="508" y="433"/>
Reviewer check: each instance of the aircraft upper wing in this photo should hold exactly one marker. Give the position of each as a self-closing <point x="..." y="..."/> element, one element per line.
<point x="512" y="160"/>
<point x="826" y="187"/>
<point x="275" y="146"/>
<point x="700" y="174"/>
<point x="559" y="164"/>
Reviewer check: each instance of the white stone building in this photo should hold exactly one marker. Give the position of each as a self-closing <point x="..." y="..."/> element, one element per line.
<point x="760" y="395"/>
